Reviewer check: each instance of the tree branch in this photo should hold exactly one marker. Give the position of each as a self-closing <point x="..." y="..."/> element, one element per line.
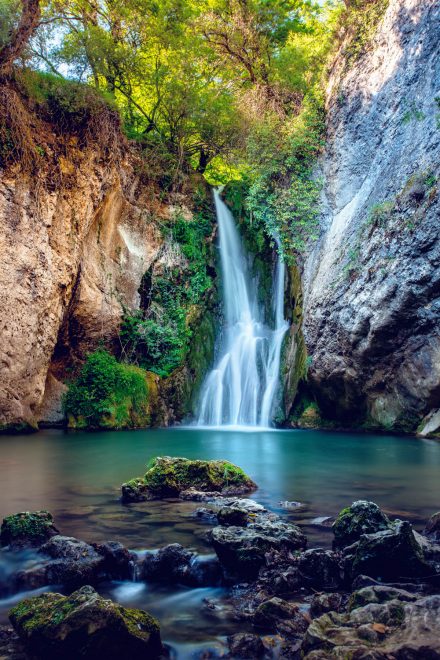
<point x="29" y="21"/>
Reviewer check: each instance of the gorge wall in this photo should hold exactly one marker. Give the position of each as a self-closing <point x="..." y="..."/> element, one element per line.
<point x="371" y="283"/>
<point x="73" y="257"/>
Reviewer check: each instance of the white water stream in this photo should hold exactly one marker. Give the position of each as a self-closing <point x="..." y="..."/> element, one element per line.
<point x="241" y="388"/>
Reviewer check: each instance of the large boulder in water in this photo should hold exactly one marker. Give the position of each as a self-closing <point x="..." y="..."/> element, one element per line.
<point x="392" y="554"/>
<point x="168" y="477"/>
<point x="242" y="550"/>
<point x="360" y="518"/>
<point x="75" y="563"/>
<point x="84" y="625"/>
<point x="27" y="529"/>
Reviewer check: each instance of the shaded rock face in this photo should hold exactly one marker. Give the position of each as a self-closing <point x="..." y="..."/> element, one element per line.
<point x="68" y="256"/>
<point x="173" y="564"/>
<point x="84" y="625"/>
<point x="371" y="283"/>
<point x="392" y="554"/>
<point x="74" y="254"/>
<point x="360" y="518"/>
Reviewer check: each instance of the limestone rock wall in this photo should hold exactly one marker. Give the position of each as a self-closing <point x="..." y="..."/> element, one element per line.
<point x="372" y="282"/>
<point x="70" y="258"/>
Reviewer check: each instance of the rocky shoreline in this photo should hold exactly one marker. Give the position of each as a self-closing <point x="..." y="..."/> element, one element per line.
<point x="375" y="595"/>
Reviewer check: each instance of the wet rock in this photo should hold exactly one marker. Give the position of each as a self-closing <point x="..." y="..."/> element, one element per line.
<point x="27" y="529"/>
<point x="395" y="629"/>
<point x="229" y="515"/>
<point x="323" y="521"/>
<point x="360" y="518"/>
<point x="432" y="529"/>
<point x="118" y="561"/>
<point x="379" y="594"/>
<point x="194" y="495"/>
<point x="391" y="554"/>
<point x="322" y="603"/>
<point x="84" y="625"/>
<point x="320" y="569"/>
<point x="75" y="563"/>
<point x="11" y="648"/>
<point x="168" y="477"/>
<point x="278" y="615"/>
<point x="241" y="550"/>
<point x="245" y="645"/>
<point x="173" y="564"/>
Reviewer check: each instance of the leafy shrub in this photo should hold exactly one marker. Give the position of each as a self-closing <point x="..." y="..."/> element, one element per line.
<point x="107" y="393"/>
<point x="282" y="197"/>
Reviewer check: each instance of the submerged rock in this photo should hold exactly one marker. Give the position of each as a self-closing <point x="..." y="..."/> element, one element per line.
<point x="27" y="529"/>
<point x="169" y="477"/>
<point x="173" y="564"/>
<point x="242" y="550"/>
<point x="84" y="625"/>
<point x="391" y="554"/>
<point x="360" y="518"/>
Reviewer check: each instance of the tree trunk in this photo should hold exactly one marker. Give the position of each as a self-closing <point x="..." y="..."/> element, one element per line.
<point x="29" y="21"/>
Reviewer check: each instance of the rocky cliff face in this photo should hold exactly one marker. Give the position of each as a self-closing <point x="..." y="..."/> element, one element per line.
<point x="73" y="256"/>
<point x="372" y="282"/>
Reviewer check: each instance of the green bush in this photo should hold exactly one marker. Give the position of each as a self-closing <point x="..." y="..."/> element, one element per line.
<point x="281" y="196"/>
<point x="107" y="393"/>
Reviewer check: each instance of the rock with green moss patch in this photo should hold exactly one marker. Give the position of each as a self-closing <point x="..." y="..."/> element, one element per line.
<point x="27" y="529"/>
<point x="360" y="518"/>
<point x="84" y="625"/>
<point x="168" y="477"/>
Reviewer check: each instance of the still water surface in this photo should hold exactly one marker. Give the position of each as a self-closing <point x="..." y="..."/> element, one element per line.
<point x="77" y="477"/>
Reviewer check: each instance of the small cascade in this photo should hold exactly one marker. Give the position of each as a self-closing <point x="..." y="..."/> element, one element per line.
<point x="241" y="388"/>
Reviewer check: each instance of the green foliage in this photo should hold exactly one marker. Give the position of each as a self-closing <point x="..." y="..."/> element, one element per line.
<point x="67" y="102"/>
<point x="360" y="20"/>
<point x="157" y="337"/>
<point x="283" y="194"/>
<point x="107" y="393"/>
<point x="9" y="15"/>
<point x="381" y="213"/>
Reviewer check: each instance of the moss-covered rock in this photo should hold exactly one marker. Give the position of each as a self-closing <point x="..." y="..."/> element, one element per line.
<point x="167" y="477"/>
<point x="84" y="625"/>
<point x="27" y="529"/>
<point x="360" y="518"/>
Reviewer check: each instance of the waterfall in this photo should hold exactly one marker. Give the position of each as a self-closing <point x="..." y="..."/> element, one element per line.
<point x="241" y="388"/>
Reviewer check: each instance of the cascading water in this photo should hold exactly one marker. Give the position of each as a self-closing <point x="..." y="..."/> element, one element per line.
<point x="241" y="389"/>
